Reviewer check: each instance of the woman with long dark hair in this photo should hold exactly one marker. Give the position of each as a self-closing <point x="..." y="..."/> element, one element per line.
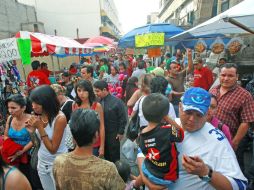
<point x="16" y="133"/>
<point x="49" y="123"/>
<point x="86" y="99"/>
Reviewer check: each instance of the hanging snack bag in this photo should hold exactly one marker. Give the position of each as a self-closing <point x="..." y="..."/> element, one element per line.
<point x="200" y="46"/>
<point x="217" y="46"/>
<point x="234" y="45"/>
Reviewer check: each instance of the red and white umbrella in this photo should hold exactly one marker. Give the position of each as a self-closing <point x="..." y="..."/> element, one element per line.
<point x="42" y="45"/>
<point x="100" y="39"/>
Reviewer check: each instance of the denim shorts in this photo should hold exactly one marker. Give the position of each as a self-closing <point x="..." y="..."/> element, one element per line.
<point x="154" y="179"/>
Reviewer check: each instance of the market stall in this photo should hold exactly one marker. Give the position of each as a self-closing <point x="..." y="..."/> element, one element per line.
<point x="38" y="44"/>
<point x="23" y="47"/>
<point x="148" y="39"/>
<point x="101" y="44"/>
<point x="236" y="20"/>
<point x="150" y="35"/>
<point x="229" y="34"/>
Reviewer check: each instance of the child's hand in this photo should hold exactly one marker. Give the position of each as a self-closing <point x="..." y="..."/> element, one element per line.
<point x="171" y="122"/>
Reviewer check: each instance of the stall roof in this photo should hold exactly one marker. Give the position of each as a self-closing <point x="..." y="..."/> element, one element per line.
<point x="242" y="13"/>
<point x="43" y="44"/>
<point x="128" y="40"/>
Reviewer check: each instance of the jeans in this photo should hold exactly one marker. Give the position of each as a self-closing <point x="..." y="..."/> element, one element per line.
<point x="96" y="151"/>
<point x="251" y="169"/>
<point x="45" y="172"/>
<point x="240" y="152"/>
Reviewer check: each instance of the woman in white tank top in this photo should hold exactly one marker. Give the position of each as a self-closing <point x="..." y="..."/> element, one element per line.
<point x="49" y="123"/>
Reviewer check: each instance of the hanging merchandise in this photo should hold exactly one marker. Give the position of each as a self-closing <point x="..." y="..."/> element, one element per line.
<point x="9" y="84"/>
<point x="217" y="46"/>
<point x="200" y="46"/>
<point x="234" y="45"/>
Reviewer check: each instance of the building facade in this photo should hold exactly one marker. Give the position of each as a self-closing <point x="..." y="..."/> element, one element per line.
<point x="15" y="16"/>
<point x="152" y="18"/>
<point x="189" y="13"/>
<point x="78" y="18"/>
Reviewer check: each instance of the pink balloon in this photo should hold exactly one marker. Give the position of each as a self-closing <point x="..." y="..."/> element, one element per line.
<point x="121" y="77"/>
<point x="111" y="90"/>
<point x="119" y="90"/>
<point x="119" y="95"/>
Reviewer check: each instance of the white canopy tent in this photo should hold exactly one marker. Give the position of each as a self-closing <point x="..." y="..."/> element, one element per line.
<point x="236" y="20"/>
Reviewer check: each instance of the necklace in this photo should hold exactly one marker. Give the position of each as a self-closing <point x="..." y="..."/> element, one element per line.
<point x="45" y="122"/>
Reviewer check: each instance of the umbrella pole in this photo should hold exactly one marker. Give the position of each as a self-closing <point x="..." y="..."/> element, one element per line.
<point x="53" y="65"/>
<point x="58" y="63"/>
<point x="24" y="71"/>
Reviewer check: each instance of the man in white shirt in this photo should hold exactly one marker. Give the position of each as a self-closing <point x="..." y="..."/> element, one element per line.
<point x="206" y="159"/>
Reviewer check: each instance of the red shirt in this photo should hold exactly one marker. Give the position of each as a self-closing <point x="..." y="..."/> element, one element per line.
<point x="203" y="78"/>
<point x="36" y="78"/>
<point x="46" y="72"/>
<point x="235" y="107"/>
<point x="73" y="71"/>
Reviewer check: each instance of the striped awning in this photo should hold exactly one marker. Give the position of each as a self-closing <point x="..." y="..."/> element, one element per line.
<point x="43" y="45"/>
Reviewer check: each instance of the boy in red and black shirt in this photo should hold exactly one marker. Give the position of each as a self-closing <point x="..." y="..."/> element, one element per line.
<point x="157" y="141"/>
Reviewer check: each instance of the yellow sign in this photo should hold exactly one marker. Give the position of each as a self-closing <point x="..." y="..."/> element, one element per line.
<point x="151" y="39"/>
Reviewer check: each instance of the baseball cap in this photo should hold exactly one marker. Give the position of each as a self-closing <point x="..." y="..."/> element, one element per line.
<point x="174" y="61"/>
<point x="66" y="74"/>
<point x="196" y="99"/>
<point x="197" y="60"/>
<point x="158" y="71"/>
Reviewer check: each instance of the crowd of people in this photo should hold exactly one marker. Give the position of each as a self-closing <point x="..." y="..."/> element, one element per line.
<point x="193" y="122"/>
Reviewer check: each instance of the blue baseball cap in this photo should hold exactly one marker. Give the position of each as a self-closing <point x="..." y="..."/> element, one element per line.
<point x="196" y="99"/>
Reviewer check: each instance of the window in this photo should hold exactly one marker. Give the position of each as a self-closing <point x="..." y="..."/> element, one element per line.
<point x="36" y="28"/>
<point x="214" y="10"/>
<point x="190" y="17"/>
<point x="224" y="5"/>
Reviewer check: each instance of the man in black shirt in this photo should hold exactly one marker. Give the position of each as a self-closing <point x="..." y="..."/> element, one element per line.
<point x="115" y="120"/>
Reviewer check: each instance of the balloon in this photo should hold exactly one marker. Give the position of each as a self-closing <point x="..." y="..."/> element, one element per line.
<point x="119" y="95"/>
<point x="111" y="90"/>
<point x="119" y="90"/>
<point x="121" y="77"/>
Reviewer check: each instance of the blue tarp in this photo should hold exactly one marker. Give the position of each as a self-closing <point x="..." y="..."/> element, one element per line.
<point x="128" y="40"/>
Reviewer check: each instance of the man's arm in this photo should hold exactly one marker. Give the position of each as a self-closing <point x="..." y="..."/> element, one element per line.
<point x="241" y="132"/>
<point x="177" y="93"/>
<point x="196" y="166"/>
<point x="189" y="67"/>
<point x="122" y="116"/>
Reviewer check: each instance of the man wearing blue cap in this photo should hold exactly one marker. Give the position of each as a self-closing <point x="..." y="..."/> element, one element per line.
<point x="206" y="159"/>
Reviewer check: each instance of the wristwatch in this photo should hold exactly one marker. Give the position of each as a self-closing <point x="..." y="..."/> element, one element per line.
<point x="207" y="178"/>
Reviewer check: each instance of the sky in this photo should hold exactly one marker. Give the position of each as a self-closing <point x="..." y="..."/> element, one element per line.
<point x="133" y="13"/>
